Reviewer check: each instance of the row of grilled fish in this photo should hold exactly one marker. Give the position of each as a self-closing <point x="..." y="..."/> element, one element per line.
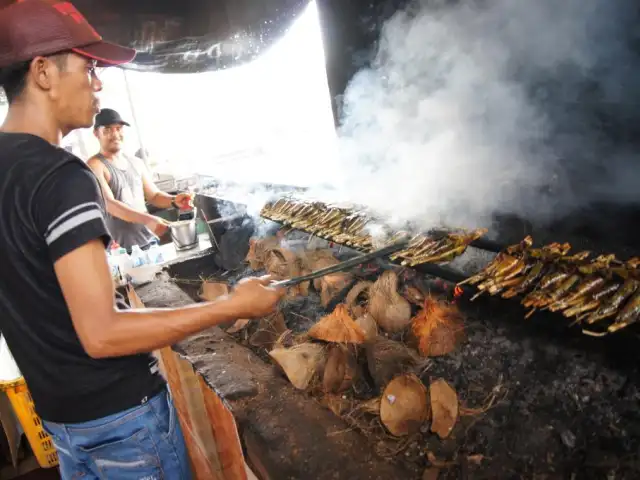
<point x="591" y="289"/>
<point x="343" y="225"/>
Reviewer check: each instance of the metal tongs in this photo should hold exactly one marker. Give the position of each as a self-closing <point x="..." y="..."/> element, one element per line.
<point x="346" y="265"/>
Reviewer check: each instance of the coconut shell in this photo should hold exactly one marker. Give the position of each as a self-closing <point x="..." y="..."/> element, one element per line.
<point x="438" y="328"/>
<point x="238" y="326"/>
<point x="339" y="370"/>
<point x="337" y="327"/>
<point x="336" y="404"/>
<point x="369" y="326"/>
<point x="269" y="330"/>
<point x="444" y="406"/>
<point x="391" y="311"/>
<point x="387" y="358"/>
<point x="357" y="298"/>
<point x="300" y="363"/>
<point x="413" y="295"/>
<point x="211" y="291"/>
<point x="404" y="405"/>
<point x="258" y="249"/>
<point x="281" y="263"/>
<point x="371" y="406"/>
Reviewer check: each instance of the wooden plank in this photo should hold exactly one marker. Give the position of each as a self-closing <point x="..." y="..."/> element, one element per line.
<point x="187" y="398"/>
<point x="226" y="434"/>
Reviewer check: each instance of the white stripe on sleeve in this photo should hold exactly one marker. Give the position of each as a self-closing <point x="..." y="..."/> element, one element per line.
<point x="71" y="223"/>
<point x="62" y="217"/>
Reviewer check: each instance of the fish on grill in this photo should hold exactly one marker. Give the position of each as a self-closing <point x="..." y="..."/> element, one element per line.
<point x="550" y="277"/>
<point x="351" y="227"/>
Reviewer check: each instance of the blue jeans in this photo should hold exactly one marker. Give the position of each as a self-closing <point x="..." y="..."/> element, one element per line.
<point x="142" y="443"/>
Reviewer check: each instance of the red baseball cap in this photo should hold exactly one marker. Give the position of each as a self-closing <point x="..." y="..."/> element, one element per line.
<point x="33" y="28"/>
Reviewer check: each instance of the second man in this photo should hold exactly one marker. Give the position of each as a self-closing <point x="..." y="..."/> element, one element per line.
<point x="127" y="186"/>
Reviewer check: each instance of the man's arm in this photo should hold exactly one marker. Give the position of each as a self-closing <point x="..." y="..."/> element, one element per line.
<point x="115" y="207"/>
<point x="67" y="211"/>
<point x="106" y="332"/>
<point x="157" y="197"/>
<point x="152" y="193"/>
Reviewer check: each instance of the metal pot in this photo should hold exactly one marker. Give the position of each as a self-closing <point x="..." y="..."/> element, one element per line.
<point x="184" y="234"/>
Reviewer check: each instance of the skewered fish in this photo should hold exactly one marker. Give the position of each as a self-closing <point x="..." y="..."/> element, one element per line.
<point x="576" y="285"/>
<point x="350" y="227"/>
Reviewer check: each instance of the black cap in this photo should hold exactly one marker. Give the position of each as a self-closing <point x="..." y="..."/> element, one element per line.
<point x="109" y="117"/>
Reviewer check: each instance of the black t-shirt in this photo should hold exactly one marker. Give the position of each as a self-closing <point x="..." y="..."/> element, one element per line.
<point x="51" y="204"/>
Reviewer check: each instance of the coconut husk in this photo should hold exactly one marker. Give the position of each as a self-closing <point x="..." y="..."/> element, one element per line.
<point x="340" y="370"/>
<point x="431" y="473"/>
<point x="258" y="249"/>
<point x="404" y="405"/>
<point x="300" y="363"/>
<point x="239" y="326"/>
<point x="210" y="291"/>
<point x="330" y="284"/>
<point x="269" y="330"/>
<point x="444" y="405"/>
<point x="337" y="327"/>
<point x="438" y="328"/>
<point x="413" y="295"/>
<point x="391" y="311"/>
<point x="371" y="406"/>
<point x="387" y="358"/>
<point x="357" y="298"/>
<point x="336" y="404"/>
<point x="317" y="259"/>
<point x="303" y="288"/>
<point x="281" y="263"/>
<point x="369" y="327"/>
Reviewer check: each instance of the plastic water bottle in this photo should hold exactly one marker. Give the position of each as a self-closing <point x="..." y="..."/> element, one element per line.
<point x="154" y="255"/>
<point x="138" y="258"/>
<point x="114" y="265"/>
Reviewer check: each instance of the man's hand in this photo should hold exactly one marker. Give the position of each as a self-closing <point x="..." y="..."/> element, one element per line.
<point x="254" y="298"/>
<point x="157" y="225"/>
<point x="184" y="201"/>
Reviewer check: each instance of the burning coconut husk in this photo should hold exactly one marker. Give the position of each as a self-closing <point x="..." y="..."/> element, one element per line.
<point x="338" y="327"/>
<point x="300" y="363"/>
<point x="340" y="369"/>
<point x="329" y="285"/>
<point x="282" y="263"/>
<point x="438" y="328"/>
<point x="211" y="291"/>
<point x="357" y="298"/>
<point x="404" y="405"/>
<point x="390" y="310"/>
<point x="444" y="407"/>
<point x="269" y="330"/>
<point x="258" y="249"/>
<point x="369" y="326"/>
<point x="387" y="358"/>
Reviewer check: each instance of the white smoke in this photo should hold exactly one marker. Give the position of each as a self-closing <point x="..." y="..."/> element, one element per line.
<point x="488" y="107"/>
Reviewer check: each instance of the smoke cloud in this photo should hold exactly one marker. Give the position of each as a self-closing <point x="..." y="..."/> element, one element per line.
<point x="502" y="106"/>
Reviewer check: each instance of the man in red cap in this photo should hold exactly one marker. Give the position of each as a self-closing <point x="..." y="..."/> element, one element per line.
<point x="85" y="360"/>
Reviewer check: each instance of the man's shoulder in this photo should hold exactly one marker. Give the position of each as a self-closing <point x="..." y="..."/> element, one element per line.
<point x="33" y="159"/>
<point x="95" y="161"/>
<point x="26" y="146"/>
